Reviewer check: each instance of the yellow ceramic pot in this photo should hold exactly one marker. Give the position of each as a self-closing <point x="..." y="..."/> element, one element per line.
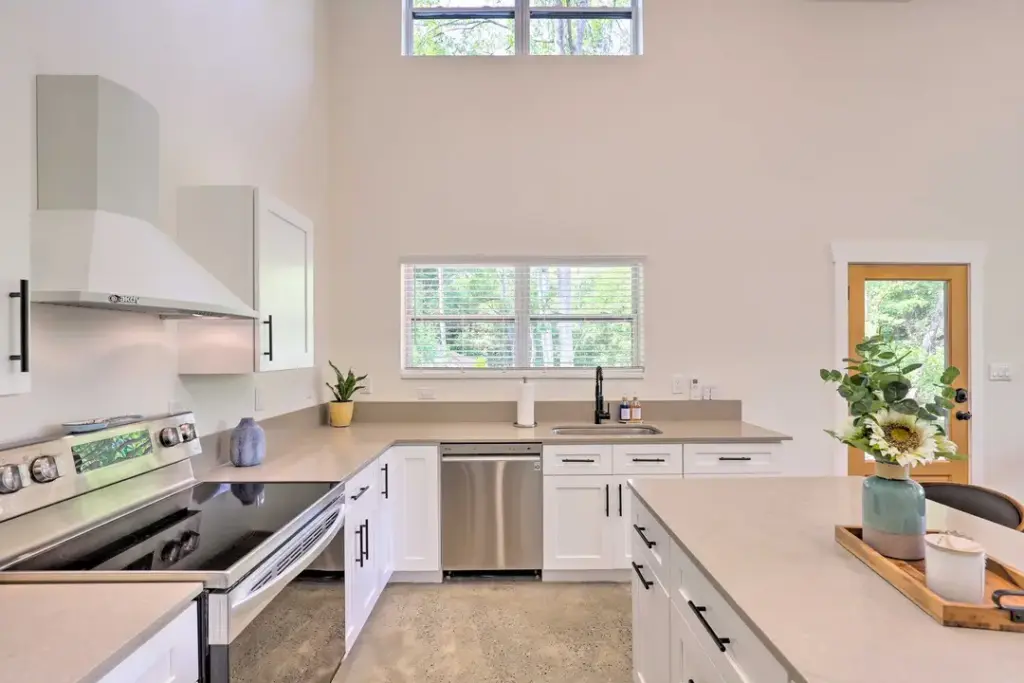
<point x="341" y="413"/>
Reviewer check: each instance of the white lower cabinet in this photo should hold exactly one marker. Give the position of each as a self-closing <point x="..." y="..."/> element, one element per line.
<point x="170" y="656"/>
<point x="688" y="662"/>
<point x="579" y="530"/>
<point x="384" y="536"/>
<point x="652" y="620"/>
<point x="414" y="484"/>
<point x="361" y="573"/>
<point x="707" y="639"/>
<point x="627" y="520"/>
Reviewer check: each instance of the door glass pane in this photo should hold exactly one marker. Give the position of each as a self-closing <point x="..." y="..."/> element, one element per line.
<point x="913" y="313"/>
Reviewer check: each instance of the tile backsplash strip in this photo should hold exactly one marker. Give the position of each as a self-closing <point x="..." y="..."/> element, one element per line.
<point x="563" y="412"/>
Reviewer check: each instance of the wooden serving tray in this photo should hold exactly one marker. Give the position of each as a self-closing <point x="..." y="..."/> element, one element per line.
<point x="908" y="578"/>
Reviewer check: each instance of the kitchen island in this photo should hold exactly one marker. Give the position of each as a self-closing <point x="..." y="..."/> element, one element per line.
<point x="758" y="560"/>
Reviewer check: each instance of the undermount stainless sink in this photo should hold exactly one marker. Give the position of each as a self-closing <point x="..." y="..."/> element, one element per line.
<point x="611" y="429"/>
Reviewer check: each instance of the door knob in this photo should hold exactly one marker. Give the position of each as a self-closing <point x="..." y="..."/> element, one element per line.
<point x="963" y="415"/>
<point x="960" y="396"/>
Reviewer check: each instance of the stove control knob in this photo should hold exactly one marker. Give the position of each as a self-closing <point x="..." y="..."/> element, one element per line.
<point x="170" y="553"/>
<point x="189" y="542"/>
<point x="169" y="437"/>
<point x="44" y="469"/>
<point x="10" y="478"/>
<point x="188" y="432"/>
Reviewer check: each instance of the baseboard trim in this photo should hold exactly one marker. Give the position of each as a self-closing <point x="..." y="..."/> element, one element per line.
<point x="417" y="577"/>
<point x="587" y="576"/>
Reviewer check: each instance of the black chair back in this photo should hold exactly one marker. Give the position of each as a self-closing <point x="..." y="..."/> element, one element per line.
<point x="978" y="501"/>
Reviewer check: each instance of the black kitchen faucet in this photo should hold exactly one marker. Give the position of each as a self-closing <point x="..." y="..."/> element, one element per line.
<point x="601" y="412"/>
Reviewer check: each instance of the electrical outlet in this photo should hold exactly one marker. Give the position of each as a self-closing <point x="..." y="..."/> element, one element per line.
<point x="680" y="385"/>
<point x="1000" y="372"/>
<point x="367" y="386"/>
<point x="426" y="394"/>
<point x="257" y="400"/>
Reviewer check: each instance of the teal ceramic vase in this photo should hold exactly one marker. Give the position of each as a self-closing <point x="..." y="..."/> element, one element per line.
<point x="893" y="510"/>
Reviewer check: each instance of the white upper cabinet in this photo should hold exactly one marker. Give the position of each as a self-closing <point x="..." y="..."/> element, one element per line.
<point x="17" y="172"/>
<point x="262" y="250"/>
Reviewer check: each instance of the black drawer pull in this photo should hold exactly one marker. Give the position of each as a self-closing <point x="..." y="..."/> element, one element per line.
<point x="646" y="584"/>
<point x="577" y="460"/>
<point x="648" y="459"/>
<point x="699" y="611"/>
<point x="23" y="307"/>
<point x="735" y="458"/>
<point x="362" y="490"/>
<point x="640" y="530"/>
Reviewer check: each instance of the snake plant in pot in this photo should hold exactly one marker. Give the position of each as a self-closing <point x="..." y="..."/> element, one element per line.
<point x="345" y="386"/>
<point x="891" y="421"/>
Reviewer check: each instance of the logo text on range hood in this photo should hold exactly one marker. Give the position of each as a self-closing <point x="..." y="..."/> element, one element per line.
<point x="95" y="232"/>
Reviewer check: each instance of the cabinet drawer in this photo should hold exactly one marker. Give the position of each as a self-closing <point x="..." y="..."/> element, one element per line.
<point x="170" y="656"/>
<point x="744" y="658"/>
<point x="729" y="459"/>
<point x="648" y="534"/>
<point x="647" y="459"/>
<point x="578" y="459"/>
<point x="362" y="485"/>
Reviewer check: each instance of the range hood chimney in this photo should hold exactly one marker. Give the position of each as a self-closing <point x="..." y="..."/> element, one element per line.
<point x="95" y="240"/>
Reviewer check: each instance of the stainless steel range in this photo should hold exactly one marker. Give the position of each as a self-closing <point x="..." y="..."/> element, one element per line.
<point x="123" y="504"/>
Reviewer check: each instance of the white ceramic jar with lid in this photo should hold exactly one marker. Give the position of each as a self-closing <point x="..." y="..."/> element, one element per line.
<point x="955" y="568"/>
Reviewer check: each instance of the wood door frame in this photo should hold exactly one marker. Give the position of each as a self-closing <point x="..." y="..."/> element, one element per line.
<point x="971" y="254"/>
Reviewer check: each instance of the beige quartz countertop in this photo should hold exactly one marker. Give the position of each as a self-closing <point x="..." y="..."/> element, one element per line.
<point x="326" y="454"/>
<point x="78" y="633"/>
<point x="768" y="546"/>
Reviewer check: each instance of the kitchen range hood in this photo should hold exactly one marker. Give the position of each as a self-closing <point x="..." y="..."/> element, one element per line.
<point x="95" y="240"/>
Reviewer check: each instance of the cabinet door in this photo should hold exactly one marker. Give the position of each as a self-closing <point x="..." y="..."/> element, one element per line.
<point x="170" y="656"/>
<point x="17" y="175"/>
<point x="579" y="530"/>
<point x="652" y="620"/>
<point x="385" y="532"/>
<point x="625" y="532"/>
<point x="414" y="488"/>
<point x="689" y="662"/>
<point x="356" y="586"/>
<point x="284" y="274"/>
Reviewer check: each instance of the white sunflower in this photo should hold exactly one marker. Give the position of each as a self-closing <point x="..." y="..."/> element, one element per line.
<point x="943" y="444"/>
<point x="903" y="438"/>
<point x="849" y="431"/>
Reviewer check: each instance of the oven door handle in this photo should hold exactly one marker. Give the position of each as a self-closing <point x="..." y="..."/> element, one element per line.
<point x="250" y="589"/>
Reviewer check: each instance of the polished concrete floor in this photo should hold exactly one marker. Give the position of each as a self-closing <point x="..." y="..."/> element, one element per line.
<point x="515" y="632"/>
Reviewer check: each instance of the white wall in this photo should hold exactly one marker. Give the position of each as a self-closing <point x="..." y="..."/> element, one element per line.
<point x="242" y="99"/>
<point x="750" y="135"/>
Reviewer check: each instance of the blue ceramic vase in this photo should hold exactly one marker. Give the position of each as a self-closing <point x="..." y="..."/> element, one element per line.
<point x="248" y="443"/>
<point x="893" y="513"/>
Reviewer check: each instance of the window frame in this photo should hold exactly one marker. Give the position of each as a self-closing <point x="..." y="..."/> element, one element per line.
<point x="522" y="318"/>
<point x="521" y="13"/>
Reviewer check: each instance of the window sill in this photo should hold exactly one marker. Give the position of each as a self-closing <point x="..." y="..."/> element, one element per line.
<point x="553" y="373"/>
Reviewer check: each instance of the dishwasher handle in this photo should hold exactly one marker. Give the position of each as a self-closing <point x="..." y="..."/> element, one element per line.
<point x="490" y="458"/>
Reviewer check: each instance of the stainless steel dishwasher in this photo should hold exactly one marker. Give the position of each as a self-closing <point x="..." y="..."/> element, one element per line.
<point x="492" y="507"/>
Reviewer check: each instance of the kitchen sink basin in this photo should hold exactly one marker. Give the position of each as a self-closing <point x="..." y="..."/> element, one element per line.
<point x="611" y="429"/>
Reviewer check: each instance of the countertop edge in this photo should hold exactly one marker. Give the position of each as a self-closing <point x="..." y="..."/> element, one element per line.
<point x="794" y="674"/>
<point x="134" y="643"/>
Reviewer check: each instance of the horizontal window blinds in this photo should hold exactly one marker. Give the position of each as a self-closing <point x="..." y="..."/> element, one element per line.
<point x="526" y="315"/>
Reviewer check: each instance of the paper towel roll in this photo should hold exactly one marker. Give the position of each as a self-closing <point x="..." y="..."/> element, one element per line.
<point x="524" y="410"/>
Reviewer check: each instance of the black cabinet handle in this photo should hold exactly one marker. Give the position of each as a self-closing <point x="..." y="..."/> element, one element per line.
<point x="269" y="322"/>
<point x="640" y="530"/>
<point x="620" y="500"/>
<point x="385" y="491"/>
<point x="22" y="294"/>
<point x="359" y="533"/>
<point x="366" y="527"/>
<point x="699" y="611"/>
<point x="735" y="458"/>
<point x="362" y="490"/>
<point x="648" y="459"/>
<point x="646" y="584"/>
<point x="577" y="460"/>
<point x="607" y="493"/>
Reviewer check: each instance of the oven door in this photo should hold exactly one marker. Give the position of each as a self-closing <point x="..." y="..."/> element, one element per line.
<point x="240" y="641"/>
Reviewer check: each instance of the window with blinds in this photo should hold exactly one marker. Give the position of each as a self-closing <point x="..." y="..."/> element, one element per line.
<point x="531" y="315"/>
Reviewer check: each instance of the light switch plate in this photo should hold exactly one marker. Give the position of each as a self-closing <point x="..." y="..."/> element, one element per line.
<point x="1000" y="372"/>
<point x="426" y="394"/>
